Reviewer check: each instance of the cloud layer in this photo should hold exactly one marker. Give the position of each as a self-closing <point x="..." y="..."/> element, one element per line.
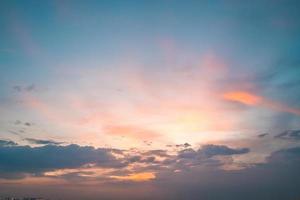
<point x="204" y="173"/>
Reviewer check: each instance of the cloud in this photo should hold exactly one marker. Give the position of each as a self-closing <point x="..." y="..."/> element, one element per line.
<point x="262" y="135"/>
<point x="157" y="152"/>
<point x="221" y="150"/>
<point x="185" y="145"/>
<point x="211" y="150"/>
<point x="19" y="160"/>
<point x="5" y="143"/>
<point x="208" y="156"/>
<point x="27" y="124"/>
<point x="278" y="178"/>
<point x="178" y="176"/>
<point x="136" y="177"/>
<point x="251" y="99"/>
<point x="28" y="88"/>
<point x="17" y="88"/>
<point x="35" y="160"/>
<point x="18" y="122"/>
<point x="289" y="134"/>
<point x="42" y="142"/>
<point x="242" y="97"/>
<point x="187" y="153"/>
<point x="285" y="157"/>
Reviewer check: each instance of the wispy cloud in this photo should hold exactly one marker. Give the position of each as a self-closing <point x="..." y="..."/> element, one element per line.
<point x="42" y="142"/>
<point x="251" y="99"/>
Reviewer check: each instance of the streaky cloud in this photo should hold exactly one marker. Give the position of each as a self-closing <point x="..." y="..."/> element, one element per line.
<point x="42" y="142"/>
<point x="289" y="135"/>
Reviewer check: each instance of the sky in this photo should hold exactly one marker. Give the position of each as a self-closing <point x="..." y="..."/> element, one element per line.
<point x="150" y="99"/>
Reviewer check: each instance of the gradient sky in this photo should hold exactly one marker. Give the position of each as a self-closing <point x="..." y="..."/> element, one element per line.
<point x="134" y="99"/>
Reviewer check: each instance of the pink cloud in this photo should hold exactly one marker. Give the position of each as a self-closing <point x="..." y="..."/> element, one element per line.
<point x="251" y="99"/>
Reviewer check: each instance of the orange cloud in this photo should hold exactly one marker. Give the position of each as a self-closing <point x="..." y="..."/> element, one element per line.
<point x="146" y="176"/>
<point x="254" y="100"/>
<point x="242" y="97"/>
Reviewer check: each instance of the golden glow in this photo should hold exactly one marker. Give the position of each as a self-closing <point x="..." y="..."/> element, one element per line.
<point x="146" y="176"/>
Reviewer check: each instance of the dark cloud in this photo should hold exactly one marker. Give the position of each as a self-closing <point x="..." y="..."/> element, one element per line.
<point x="150" y="159"/>
<point x="215" y="150"/>
<point x="18" y="122"/>
<point x="133" y="159"/>
<point x="213" y="156"/>
<point x="263" y="135"/>
<point x="4" y="143"/>
<point x="51" y="156"/>
<point x="276" y="179"/>
<point x="187" y="153"/>
<point x="289" y="134"/>
<point x="25" y="159"/>
<point x="185" y="145"/>
<point x="211" y="150"/>
<point x="27" y="88"/>
<point x="157" y="152"/>
<point x="30" y="87"/>
<point x="148" y="143"/>
<point x="42" y="142"/>
<point x="27" y="124"/>
<point x="17" y="88"/>
<point x="14" y="132"/>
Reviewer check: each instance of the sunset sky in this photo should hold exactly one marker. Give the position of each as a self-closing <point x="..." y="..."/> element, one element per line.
<point x="129" y="99"/>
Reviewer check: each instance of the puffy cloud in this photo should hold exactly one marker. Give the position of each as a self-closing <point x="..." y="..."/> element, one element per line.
<point x="180" y="175"/>
<point x="157" y="152"/>
<point x="35" y="160"/>
<point x="275" y="179"/>
<point x="285" y="157"/>
<point x="211" y="150"/>
<point x="187" y="153"/>
<point x="215" y="150"/>
<point x="17" y="160"/>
